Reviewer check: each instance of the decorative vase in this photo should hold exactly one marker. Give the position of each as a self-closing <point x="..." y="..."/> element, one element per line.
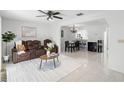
<point x="6" y="58"/>
<point x="48" y="53"/>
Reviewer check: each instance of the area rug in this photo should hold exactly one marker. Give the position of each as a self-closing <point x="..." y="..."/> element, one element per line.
<point x="29" y="71"/>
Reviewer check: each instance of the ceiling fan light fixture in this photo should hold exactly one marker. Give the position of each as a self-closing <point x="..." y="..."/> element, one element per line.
<point x="50" y="19"/>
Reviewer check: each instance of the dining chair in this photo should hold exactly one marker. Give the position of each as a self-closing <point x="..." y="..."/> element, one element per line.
<point x="69" y="46"/>
<point x="77" y="45"/>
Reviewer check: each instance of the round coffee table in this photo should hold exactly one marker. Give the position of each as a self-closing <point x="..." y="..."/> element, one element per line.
<point x="45" y="57"/>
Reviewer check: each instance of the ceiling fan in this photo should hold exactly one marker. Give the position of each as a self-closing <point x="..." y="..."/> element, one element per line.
<point x="50" y="15"/>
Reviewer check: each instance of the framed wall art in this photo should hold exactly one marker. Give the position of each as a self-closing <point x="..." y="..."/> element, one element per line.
<point x="29" y="31"/>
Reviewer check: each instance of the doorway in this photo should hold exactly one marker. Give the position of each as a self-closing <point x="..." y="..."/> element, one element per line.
<point x="93" y="32"/>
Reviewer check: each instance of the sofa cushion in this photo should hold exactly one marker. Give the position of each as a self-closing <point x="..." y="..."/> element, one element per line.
<point x="24" y="56"/>
<point x="37" y="44"/>
<point x="29" y="44"/>
<point x="40" y="52"/>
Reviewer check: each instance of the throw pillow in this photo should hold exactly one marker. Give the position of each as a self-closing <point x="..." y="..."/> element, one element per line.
<point x="19" y="42"/>
<point x="20" y="48"/>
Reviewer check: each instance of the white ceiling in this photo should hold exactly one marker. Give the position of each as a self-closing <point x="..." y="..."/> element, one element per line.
<point x="93" y="22"/>
<point x="30" y="15"/>
<point x="98" y="22"/>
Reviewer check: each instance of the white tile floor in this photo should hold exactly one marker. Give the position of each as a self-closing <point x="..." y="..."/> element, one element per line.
<point x="91" y="69"/>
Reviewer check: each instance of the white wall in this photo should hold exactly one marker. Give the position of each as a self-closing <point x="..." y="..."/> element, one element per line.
<point x="0" y="48"/>
<point x="43" y="30"/>
<point x="115" y="20"/>
<point x="95" y="32"/>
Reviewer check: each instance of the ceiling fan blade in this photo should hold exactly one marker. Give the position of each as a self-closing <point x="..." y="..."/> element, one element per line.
<point x="56" y="13"/>
<point x="38" y="16"/>
<point x="42" y="11"/>
<point x="41" y="16"/>
<point x="57" y="17"/>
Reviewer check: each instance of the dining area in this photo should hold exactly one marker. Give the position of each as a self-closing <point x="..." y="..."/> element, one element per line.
<point x="73" y="46"/>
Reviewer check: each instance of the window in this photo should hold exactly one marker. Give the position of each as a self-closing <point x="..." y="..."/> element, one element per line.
<point x="82" y="34"/>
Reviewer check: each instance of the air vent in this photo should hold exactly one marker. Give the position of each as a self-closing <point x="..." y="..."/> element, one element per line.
<point x="79" y="14"/>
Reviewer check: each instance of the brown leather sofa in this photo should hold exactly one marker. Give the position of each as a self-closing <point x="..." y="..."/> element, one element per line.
<point x="33" y="49"/>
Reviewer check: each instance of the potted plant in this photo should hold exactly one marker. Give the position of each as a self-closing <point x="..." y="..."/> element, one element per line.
<point x="7" y="37"/>
<point x="50" y="46"/>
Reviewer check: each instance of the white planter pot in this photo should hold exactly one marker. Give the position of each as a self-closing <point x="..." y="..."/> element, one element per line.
<point x="6" y="58"/>
<point x="48" y="53"/>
